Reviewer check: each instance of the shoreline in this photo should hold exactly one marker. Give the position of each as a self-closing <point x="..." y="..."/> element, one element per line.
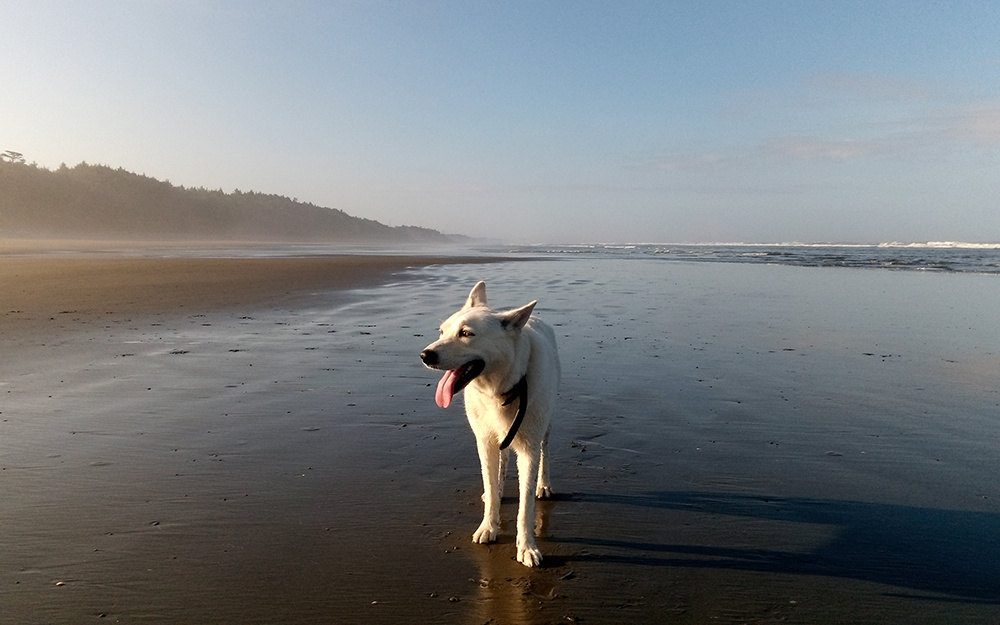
<point x="43" y="293"/>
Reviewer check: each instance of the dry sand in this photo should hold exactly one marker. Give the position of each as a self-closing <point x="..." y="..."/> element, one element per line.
<point x="40" y="292"/>
<point x="238" y="441"/>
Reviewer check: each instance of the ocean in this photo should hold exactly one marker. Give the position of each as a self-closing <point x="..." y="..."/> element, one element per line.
<point x="942" y="257"/>
<point x="932" y="256"/>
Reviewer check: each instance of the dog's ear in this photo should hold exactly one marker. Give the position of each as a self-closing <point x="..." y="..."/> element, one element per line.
<point x="477" y="297"/>
<point x="515" y="319"/>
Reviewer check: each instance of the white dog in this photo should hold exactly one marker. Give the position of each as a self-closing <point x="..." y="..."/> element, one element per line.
<point x="508" y="365"/>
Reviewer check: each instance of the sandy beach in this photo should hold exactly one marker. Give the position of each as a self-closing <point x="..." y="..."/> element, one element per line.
<point x="254" y="440"/>
<point x="44" y="289"/>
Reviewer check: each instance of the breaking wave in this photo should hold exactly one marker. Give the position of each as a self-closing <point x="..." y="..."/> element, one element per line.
<point x="938" y="256"/>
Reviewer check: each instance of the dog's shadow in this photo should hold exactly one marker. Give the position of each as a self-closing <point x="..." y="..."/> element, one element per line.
<point x="928" y="550"/>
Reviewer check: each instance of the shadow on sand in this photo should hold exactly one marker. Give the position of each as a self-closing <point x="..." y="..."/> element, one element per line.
<point x="927" y="550"/>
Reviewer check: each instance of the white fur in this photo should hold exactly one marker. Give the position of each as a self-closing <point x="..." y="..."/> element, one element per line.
<point x="512" y="344"/>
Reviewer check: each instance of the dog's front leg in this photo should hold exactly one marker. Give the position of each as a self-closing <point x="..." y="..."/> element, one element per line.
<point x="504" y="459"/>
<point x="544" y="489"/>
<point x="489" y="458"/>
<point x="527" y="474"/>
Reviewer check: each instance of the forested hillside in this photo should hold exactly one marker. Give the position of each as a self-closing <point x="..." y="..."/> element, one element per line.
<point x="98" y="202"/>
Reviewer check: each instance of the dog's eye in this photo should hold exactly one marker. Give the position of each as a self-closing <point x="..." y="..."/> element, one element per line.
<point x="465" y="333"/>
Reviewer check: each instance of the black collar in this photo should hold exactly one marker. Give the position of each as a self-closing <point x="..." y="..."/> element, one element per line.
<point x="520" y="392"/>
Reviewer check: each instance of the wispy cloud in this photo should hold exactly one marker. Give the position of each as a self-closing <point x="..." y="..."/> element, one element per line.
<point x="690" y="161"/>
<point x="818" y="91"/>
<point x="870" y="87"/>
<point x="977" y="124"/>
<point x="966" y="127"/>
<point x="845" y="118"/>
<point x="809" y="148"/>
<point x="782" y="150"/>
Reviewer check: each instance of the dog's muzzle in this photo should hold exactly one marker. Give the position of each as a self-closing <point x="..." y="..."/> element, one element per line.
<point x="429" y="357"/>
<point x="453" y="380"/>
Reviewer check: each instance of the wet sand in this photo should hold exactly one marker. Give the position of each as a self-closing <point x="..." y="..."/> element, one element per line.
<point x="733" y="444"/>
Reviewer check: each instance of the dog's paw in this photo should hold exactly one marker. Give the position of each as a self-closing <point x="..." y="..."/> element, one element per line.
<point x="529" y="555"/>
<point x="486" y="533"/>
<point x="543" y="492"/>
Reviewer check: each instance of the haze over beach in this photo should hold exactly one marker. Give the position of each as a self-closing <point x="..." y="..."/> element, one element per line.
<point x="561" y="122"/>
<point x="765" y="234"/>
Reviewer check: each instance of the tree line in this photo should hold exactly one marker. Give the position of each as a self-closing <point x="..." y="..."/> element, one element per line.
<point x="98" y="202"/>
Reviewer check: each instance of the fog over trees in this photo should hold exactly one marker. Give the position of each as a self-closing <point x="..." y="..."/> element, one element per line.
<point x="98" y="202"/>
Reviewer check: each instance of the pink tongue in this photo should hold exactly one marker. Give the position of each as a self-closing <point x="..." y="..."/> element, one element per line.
<point x="446" y="388"/>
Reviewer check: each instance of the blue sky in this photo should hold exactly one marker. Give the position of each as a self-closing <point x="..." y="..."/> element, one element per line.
<point x="616" y="121"/>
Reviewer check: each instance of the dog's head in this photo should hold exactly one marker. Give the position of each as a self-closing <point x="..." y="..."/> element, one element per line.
<point x="475" y="340"/>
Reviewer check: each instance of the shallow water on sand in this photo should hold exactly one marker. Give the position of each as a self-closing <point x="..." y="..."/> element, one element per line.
<point x="733" y="443"/>
<point x="796" y="425"/>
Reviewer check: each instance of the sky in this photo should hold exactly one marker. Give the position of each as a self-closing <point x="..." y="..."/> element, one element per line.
<point x="535" y="122"/>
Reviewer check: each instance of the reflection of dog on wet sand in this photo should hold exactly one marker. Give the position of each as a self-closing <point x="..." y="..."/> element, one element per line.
<point x="508" y="365"/>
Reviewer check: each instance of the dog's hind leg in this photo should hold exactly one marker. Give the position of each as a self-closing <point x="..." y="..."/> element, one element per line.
<point x="527" y="474"/>
<point x="544" y="487"/>
<point x="489" y="458"/>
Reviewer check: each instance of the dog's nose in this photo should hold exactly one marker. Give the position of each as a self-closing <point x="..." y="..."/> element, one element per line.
<point x="429" y="356"/>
